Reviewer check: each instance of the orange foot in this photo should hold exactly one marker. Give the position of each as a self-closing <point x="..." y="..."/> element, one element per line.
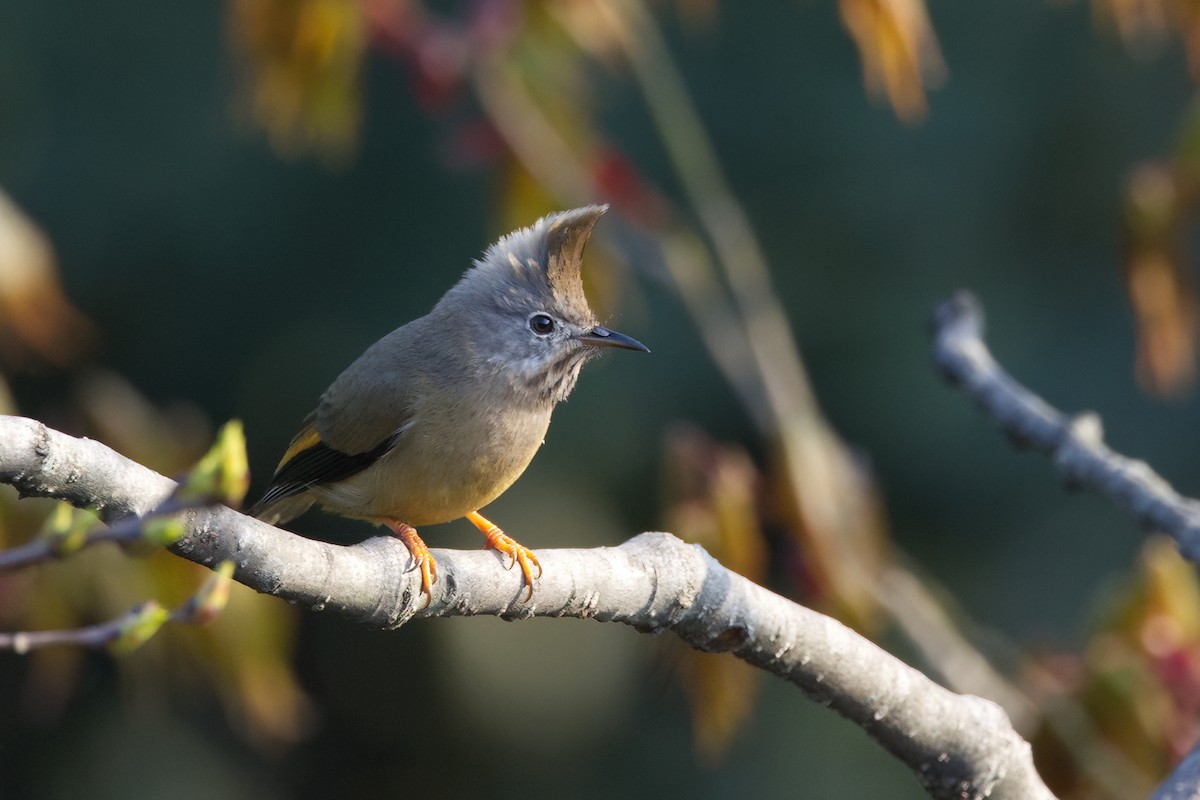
<point x="519" y="553"/>
<point x="422" y="558"/>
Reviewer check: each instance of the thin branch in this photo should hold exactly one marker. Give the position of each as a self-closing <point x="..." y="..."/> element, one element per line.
<point x="139" y="623"/>
<point x="958" y="746"/>
<point x="132" y="629"/>
<point x="1182" y="782"/>
<point x="1074" y="444"/>
<point x="97" y="635"/>
<point x="740" y="256"/>
<point x="123" y="531"/>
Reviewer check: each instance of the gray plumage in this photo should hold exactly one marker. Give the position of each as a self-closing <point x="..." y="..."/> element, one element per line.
<point x="439" y="417"/>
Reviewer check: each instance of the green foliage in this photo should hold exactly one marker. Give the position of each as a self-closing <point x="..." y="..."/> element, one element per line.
<point x="223" y="474"/>
<point x="66" y="528"/>
<point x="138" y="626"/>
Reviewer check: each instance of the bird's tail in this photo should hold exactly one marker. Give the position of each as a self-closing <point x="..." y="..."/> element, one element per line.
<point x="280" y="510"/>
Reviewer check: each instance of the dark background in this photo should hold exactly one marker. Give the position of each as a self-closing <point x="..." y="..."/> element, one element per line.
<point x="224" y="276"/>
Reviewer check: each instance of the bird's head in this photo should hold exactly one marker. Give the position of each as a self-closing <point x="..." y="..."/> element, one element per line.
<point x="524" y="306"/>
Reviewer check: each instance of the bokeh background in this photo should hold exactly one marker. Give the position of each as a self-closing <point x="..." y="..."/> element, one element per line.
<point x="222" y="204"/>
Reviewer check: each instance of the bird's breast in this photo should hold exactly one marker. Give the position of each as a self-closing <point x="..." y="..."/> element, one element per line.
<point x="449" y="462"/>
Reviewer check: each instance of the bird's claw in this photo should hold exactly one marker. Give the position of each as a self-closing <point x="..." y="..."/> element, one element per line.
<point x="517" y="553"/>
<point x="429" y="574"/>
<point x="422" y="559"/>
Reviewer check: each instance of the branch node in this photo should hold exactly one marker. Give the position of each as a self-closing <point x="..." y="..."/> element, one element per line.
<point x="41" y="442"/>
<point x="959" y="315"/>
<point x="728" y="639"/>
<point x="1087" y="427"/>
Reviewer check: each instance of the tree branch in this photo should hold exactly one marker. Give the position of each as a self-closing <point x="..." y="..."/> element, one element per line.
<point x="958" y="745"/>
<point x="1074" y="444"/>
<point x="1182" y="782"/>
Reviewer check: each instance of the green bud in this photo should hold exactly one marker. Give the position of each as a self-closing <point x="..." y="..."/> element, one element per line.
<point x="235" y="470"/>
<point x="223" y="473"/>
<point x="210" y="599"/>
<point x="67" y="528"/>
<point x="162" y="531"/>
<point x="136" y="627"/>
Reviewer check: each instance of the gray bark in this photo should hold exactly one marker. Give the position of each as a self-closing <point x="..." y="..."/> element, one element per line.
<point x="959" y="746"/>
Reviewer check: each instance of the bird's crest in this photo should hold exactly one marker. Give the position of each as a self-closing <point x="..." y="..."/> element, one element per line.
<point x="543" y="259"/>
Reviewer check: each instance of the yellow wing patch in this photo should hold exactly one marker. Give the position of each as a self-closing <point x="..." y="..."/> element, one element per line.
<point x="306" y="438"/>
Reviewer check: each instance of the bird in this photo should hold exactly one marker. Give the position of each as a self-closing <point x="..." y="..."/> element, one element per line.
<point x="439" y="417"/>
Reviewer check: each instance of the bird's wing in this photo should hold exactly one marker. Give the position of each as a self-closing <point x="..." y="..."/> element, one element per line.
<point x="310" y="461"/>
<point x="360" y="418"/>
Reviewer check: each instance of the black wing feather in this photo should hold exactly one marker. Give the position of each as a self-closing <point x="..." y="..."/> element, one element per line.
<point x="316" y="465"/>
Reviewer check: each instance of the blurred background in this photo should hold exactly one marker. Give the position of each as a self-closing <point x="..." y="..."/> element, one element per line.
<point x="208" y="210"/>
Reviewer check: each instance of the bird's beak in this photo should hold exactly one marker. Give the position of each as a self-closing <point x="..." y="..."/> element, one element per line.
<point x="603" y="337"/>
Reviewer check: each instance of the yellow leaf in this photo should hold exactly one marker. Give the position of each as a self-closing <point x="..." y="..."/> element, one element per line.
<point x="899" y="51"/>
<point x="300" y="62"/>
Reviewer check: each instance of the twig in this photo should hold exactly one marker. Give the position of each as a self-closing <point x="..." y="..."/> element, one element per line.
<point x="90" y="636"/>
<point x="1182" y="782"/>
<point x="1074" y="444"/>
<point x="136" y="625"/>
<point x="766" y="331"/>
<point x="124" y="531"/>
<point x="132" y="629"/>
<point x="958" y="746"/>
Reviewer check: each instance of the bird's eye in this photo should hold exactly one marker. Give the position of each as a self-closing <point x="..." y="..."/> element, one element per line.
<point x="541" y="324"/>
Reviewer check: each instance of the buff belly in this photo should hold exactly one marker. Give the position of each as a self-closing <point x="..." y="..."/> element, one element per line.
<point x="422" y="484"/>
